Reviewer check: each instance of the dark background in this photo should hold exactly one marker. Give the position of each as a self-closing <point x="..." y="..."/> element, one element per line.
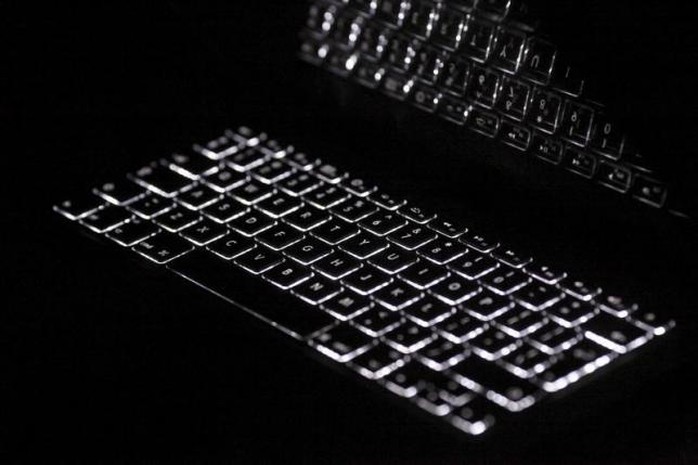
<point x="109" y="362"/>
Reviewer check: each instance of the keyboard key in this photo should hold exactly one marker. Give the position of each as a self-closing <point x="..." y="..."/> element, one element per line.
<point x="301" y="161"/>
<point x="538" y="296"/>
<point x="483" y="122"/>
<point x="484" y="85"/>
<point x="251" y="223"/>
<point x="246" y="159"/>
<point x="106" y="218"/>
<point x="79" y="207"/>
<point x="279" y="236"/>
<point x="511" y="258"/>
<point x="454" y="290"/>
<point x="448" y="29"/>
<point x="515" y="135"/>
<point x="231" y="245"/>
<point x="441" y="354"/>
<point x="271" y="171"/>
<point x="652" y="321"/>
<point x="582" y="359"/>
<point x="329" y="173"/>
<point x="317" y="289"/>
<point x="337" y="265"/>
<point x="364" y="245"/>
<point x="299" y="183"/>
<point x="367" y="279"/>
<point x="409" y="337"/>
<point x="580" y="289"/>
<point x="386" y="201"/>
<point x="161" y="180"/>
<point x="513" y="100"/>
<point x="505" y="280"/>
<point x="423" y="274"/>
<point x="616" y="306"/>
<point x="570" y="312"/>
<point x="132" y="232"/>
<point x="259" y="260"/>
<point x="225" y="210"/>
<point x="288" y="275"/>
<point x="576" y="123"/>
<point x="427" y="311"/>
<point x="606" y="138"/>
<point x="547" y="149"/>
<point x="412" y="236"/>
<point x="412" y="377"/>
<point x="326" y="196"/>
<point x="545" y="273"/>
<point x="519" y="322"/>
<point x="545" y="110"/>
<point x="527" y="361"/>
<point x="294" y="317"/>
<point x="420" y="18"/>
<point x="358" y="186"/>
<point x="455" y="76"/>
<point x="416" y="214"/>
<point x="393" y="260"/>
<point x="335" y="231"/>
<point x="475" y="417"/>
<point x="204" y="231"/>
<point x="447" y="228"/>
<point x="473" y="265"/>
<point x="537" y="65"/>
<point x="278" y="205"/>
<point x="498" y="385"/>
<point x="307" y="218"/>
<point x="225" y="179"/>
<point x="508" y="50"/>
<point x="219" y="148"/>
<point x="581" y="163"/>
<point x="649" y="191"/>
<point x="378" y="361"/>
<point x="396" y="295"/>
<point x="553" y="338"/>
<point x="198" y="197"/>
<point x="455" y="393"/>
<point x="308" y="250"/>
<point x="378" y="321"/>
<point x="441" y="251"/>
<point x="150" y="206"/>
<point x="120" y="193"/>
<point x="493" y="343"/>
<point x="614" y="333"/>
<point x="477" y="39"/>
<point x="383" y="223"/>
<point x="346" y="305"/>
<point x="460" y="327"/>
<point x="192" y="166"/>
<point x="487" y="305"/>
<point x="354" y="210"/>
<point x="163" y="247"/>
<point x="478" y="242"/>
<point x="251" y="192"/>
<point x="177" y="219"/>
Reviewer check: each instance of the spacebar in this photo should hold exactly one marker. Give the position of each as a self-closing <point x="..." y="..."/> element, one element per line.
<point x="249" y="292"/>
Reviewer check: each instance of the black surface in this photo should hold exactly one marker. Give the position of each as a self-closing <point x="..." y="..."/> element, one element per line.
<point x="112" y="362"/>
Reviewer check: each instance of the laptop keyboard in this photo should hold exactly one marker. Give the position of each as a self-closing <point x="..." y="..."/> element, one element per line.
<point x="481" y="64"/>
<point x="453" y="322"/>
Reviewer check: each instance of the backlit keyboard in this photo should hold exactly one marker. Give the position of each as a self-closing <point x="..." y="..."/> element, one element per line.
<point x="459" y="325"/>
<point x="482" y="64"/>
